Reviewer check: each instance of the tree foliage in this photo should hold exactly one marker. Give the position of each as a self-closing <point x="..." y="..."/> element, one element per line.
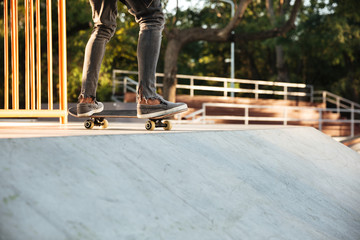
<point x="322" y="50"/>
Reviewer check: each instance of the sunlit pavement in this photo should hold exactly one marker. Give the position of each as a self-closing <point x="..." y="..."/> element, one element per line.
<point x="28" y="128"/>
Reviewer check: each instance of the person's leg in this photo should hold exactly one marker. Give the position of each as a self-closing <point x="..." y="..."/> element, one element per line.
<point x="149" y="15"/>
<point x="104" y="13"/>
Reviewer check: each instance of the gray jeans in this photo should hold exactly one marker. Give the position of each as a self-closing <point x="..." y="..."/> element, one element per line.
<point x="149" y="15"/>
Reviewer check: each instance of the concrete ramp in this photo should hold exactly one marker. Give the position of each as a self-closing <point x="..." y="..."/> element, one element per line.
<point x="285" y="183"/>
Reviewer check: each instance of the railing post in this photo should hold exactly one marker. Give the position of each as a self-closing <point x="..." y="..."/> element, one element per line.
<point x="27" y="57"/>
<point x="225" y="88"/>
<point x="324" y="98"/>
<point x="62" y="57"/>
<point x="204" y="112"/>
<point x="320" y="120"/>
<point x="125" y="86"/>
<point x="113" y="83"/>
<point x="256" y="91"/>
<point x="246" y="115"/>
<point x="6" y="55"/>
<point x="338" y="105"/>
<point x="191" y="87"/>
<point x="15" y="54"/>
<point x="38" y="54"/>
<point x="311" y="94"/>
<point x="285" y="115"/>
<point x="49" y="53"/>
<point x="352" y="120"/>
<point x="285" y="93"/>
<point x="32" y="55"/>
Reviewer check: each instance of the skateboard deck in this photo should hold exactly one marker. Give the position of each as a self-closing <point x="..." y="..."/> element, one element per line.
<point x="107" y="113"/>
<point x="98" y="119"/>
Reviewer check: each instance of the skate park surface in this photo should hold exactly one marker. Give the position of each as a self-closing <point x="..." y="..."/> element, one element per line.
<point x="195" y="182"/>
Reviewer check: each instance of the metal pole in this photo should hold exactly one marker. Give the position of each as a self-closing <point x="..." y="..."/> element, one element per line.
<point x="62" y="58"/>
<point x="38" y="55"/>
<point x="204" y="112"/>
<point x="246" y="115"/>
<point x="6" y="55"/>
<point x="49" y="52"/>
<point x="113" y="83"/>
<point x="320" y="120"/>
<point x="32" y="54"/>
<point x="27" y="57"/>
<point x="232" y="47"/>
<point x="352" y="120"/>
<point x="15" y="54"/>
<point x="192" y="87"/>
<point x="232" y="94"/>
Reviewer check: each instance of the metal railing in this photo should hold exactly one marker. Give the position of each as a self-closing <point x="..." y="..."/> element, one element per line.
<point x="127" y="83"/>
<point x="202" y="116"/>
<point x="32" y="74"/>
<point x="343" y="106"/>
<point x="340" y="102"/>
<point x="254" y="87"/>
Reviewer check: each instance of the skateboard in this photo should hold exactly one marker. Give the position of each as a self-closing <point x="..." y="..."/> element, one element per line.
<point x="98" y="119"/>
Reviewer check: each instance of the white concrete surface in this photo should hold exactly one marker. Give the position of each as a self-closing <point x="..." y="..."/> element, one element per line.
<point x="283" y="183"/>
<point x="26" y="129"/>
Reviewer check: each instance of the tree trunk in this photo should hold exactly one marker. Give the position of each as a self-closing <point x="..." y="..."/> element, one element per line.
<point x="280" y="61"/>
<point x="178" y="38"/>
<point x="170" y="69"/>
<point x="280" y="65"/>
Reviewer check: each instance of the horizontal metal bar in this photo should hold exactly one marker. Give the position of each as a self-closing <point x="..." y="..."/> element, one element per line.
<point x="267" y="119"/>
<point x="229" y="105"/>
<point x="336" y="97"/>
<point x="131" y="80"/>
<point x="222" y="89"/>
<point x="194" y="113"/>
<point x="32" y="113"/>
<point x="131" y="89"/>
<point x="340" y="105"/>
<point x="209" y="88"/>
<point x="220" y="79"/>
<point x="276" y="119"/>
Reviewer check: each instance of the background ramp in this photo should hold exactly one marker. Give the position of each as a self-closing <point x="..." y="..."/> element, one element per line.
<point x="285" y="183"/>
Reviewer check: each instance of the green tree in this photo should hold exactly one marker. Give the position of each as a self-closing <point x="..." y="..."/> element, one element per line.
<point x="178" y="37"/>
<point x="325" y="48"/>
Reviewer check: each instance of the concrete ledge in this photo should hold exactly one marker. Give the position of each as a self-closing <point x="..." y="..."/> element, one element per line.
<point x="284" y="183"/>
<point x="26" y="129"/>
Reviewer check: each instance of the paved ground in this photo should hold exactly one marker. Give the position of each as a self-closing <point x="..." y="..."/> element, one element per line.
<point x="196" y="182"/>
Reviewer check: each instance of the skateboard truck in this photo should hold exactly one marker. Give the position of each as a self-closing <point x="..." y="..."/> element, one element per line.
<point x="101" y="122"/>
<point x="155" y="123"/>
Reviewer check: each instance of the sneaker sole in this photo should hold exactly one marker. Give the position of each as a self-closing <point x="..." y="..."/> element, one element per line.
<point x="88" y="114"/>
<point x="168" y="112"/>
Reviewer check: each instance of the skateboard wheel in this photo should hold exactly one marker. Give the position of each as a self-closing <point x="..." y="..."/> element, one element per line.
<point x="150" y="125"/>
<point x="89" y="124"/>
<point x="168" y="126"/>
<point x="104" y="124"/>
